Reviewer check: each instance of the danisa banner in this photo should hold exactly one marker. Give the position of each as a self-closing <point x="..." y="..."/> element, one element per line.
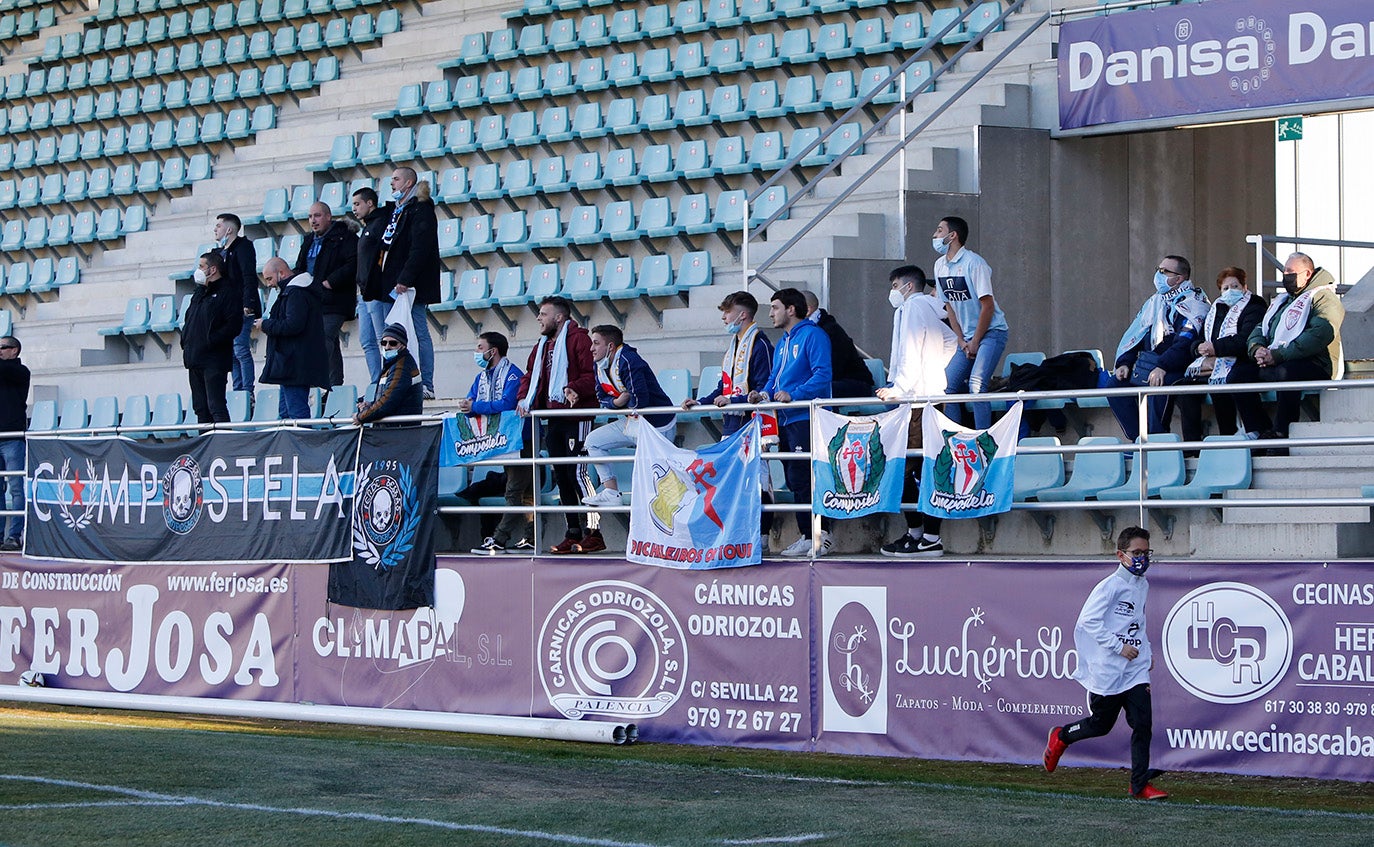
<point x="221" y="498"/>
<point x="968" y="473"/>
<point x="473" y="438"/>
<point x="696" y="508"/>
<point x="1214" y="57"/>
<point x="393" y="522"/>
<point x="859" y="468"/>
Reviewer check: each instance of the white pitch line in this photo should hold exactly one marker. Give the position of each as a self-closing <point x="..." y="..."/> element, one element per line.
<point x="92" y="804"/>
<point x="172" y="799"/>
<point x="779" y="839"/>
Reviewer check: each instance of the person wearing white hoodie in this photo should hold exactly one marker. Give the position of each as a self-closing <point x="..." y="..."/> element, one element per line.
<point x="1114" y="662"/>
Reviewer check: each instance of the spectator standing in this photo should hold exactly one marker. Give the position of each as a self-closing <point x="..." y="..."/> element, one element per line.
<point x="963" y="282"/>
<point x="1223" y="360"/>
<point x="1164" y="330"/>
<point x="560" y="374"/>
<point x="296" y="357"/>
<point x="850" y="376"/>
<point x="747" y="364"/>
<point x="14" y="399"/>
<point x="408" y="259"/>
<point x="496" y="389"/>
<point x="801" y="371"/>
<point x="398" y="390"/>
<point x="373" y="302"/>
<point x="1298" y="339"/>
<point x="1114" y="662"/>
<point x="212" y="322"/>
<point x="241" y="265"/>
<point x="330" y="255"/>
<point x="623" y="381"/>
<point x="922" y="345"/>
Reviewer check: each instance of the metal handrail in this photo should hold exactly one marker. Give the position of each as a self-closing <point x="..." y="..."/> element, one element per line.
<point x="865" y="101"/>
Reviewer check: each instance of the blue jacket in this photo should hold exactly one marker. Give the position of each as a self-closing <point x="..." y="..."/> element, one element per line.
<point x="640" y="383"/>
<point x="801" y="367"/>
<point x="510" y="394"/>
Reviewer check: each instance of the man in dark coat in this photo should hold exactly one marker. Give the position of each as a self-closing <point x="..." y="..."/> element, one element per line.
<point x="14" y="399"/>
<point x="330" y="255"/>
<point x="241" y="271"/>
<point x="373" y="303"/>
<point x="398" y="390"/>
<point x="295" y="339"/>
<point x="408" y="259"/>
<point x="213" y="320"/>
<point x="850" y="376"/>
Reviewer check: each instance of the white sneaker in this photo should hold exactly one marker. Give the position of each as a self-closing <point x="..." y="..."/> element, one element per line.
<point x="826" y="543"/>
<point x="604" y="497"/>
<point x="799" y="548"/>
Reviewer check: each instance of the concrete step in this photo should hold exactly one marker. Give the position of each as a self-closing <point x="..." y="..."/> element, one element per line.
<point x="1330" y="429"/>
<point x="1316" y="471"/>
<point x="1355" y="404"/>
<point x="1239" y="515"/>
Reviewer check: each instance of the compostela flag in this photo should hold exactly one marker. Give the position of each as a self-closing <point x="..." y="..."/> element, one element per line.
<point x="859" y="470"/>
<point x="967" y="473"/>
<point x="696" y="509"/>
<point x="473" y="438"/>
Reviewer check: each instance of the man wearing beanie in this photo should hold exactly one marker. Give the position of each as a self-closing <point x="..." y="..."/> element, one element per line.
<point x="399" y="390"/>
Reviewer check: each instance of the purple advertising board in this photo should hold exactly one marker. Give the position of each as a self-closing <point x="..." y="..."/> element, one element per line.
<point x="1259" y="668"/>
<point x="1222" y="56"/>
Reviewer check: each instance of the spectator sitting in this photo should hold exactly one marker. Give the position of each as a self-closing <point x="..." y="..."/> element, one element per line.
<point x="1162" y="332"/>
<point x="1299" y="337"/>
<point x="399" y="389"/>
<point x="850" y="376"/>
<point x="1220" y="347"/>
<point x="623" y="381"/>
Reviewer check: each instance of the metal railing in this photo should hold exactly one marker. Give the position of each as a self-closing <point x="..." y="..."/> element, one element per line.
<point x="1140" y="396"/>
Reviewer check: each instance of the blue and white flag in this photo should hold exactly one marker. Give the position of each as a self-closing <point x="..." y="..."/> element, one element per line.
<point x="473" y="438"/>
<point x="967" y="473"/>
<point x="696" y="509"/>
<point x="859" y="463"/>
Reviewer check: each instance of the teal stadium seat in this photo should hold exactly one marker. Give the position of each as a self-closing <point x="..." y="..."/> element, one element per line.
<point x="74" y="414"/>
<point x="1035" y="472"/>
<point x="1092" y="472"/>
<point x="163" y="316"/>
<point x="1218" y="471"/>
<point x="508" y="287"/>
<point x="1165" y="468"/>
<point x="580" y="282"/>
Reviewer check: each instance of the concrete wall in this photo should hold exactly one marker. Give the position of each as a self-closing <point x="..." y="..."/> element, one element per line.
<point x="1074" y="228"/>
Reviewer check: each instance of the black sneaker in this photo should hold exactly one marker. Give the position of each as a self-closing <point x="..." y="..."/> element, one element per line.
<point x="929" y="548"/>
<point x="11" y="544"/>
<point x="523" y="547"/>
<point x="904" y="546"/>
<point x="489" y="547"/>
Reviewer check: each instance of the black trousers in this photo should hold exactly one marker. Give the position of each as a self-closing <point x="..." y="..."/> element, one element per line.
<point x="795" y="437"/>
<point x="562" y="438"/>
<point x="911" y="493"/>
<point x="1290" y="402"/>
<point x="1105" y="707"/>
<point x="208" y="390"/>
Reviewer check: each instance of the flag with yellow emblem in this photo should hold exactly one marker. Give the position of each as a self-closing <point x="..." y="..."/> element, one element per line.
<point x="696" y="509"/>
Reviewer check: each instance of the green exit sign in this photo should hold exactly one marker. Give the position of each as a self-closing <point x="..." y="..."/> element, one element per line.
<point x="1288" y="129"/>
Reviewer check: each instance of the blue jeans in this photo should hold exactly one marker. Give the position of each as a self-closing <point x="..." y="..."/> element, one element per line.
<point x="243" y="373"/>
<point x="12" y="459"/>
<point x="367" y="339"/>
<point x="422" y="344"/>
<point x="970" y="376"/>
<point x="1159" y="411"/>
<point x="293" y="404"/>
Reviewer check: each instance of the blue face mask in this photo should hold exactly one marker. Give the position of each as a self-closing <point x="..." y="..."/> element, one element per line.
<point x="389" y="353"/>
<point x="1140" y="563"/>
<point x="938" y="245"/>
<point x="480" y="359"/>
<point x="1231" y="296"/>
<point x="398" y="196"/>
<point x="734" y="328"/>
<point x="1161" y="282"/>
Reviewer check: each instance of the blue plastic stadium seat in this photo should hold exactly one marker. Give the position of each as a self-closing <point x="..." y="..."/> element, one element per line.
<point x="1092" y="472"/>
<point x="1165" y="469"/>
<point x="1035" y="472"/>
<point x="1217" y="471"/>
<point x="508" y="287"/>
<point x="543" y="282"/>
<point x="477" y="234"/>
<point x="580" y="282"/>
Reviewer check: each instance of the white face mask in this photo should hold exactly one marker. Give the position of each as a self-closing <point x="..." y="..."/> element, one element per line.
<point x="200" y="277"/>
<point x="1231" y="296"/>
<point x="896" y="297"/>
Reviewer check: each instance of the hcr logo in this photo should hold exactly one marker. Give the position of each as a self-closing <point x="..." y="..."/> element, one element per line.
<point x="1227" y="642"/>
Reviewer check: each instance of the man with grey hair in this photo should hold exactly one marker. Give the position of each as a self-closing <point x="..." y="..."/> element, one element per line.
<point x="1299" y="339"/>
<point x="295" y="339"/>
<point x="330" y="255"/>
<point x="850" y="376"/>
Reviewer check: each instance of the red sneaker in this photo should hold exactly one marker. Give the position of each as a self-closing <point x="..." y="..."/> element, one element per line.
<point x="1054" y="748"/>
<point x="1149" y="792"/>
<point x="566" y="546"/>
<point x="591" y="543"/>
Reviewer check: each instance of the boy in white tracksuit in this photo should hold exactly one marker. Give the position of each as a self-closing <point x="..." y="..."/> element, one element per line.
<point x="1114" y="662"/>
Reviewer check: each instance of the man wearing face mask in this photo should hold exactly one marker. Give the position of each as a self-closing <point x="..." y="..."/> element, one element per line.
<point x="1161" y="335"/>
<point x="373" y="303"/>
<point x="922" y="344"/>
<point x="295" y="339"/>
<point x="408" y="259"/>
<point x="963" y="282"/>
<point x="560" y="374"/>
<point x="623" y="381"/>
<point x="399" y="390"/>
<point x="747" y="363"/>
<point x="495" y="390"/>
<point x="1114" y="663"/>
<point x="214" y="319"/>
<point x="330" y="255"/>
<point x="241" y="271"/>
<point x="1299" y="337"/>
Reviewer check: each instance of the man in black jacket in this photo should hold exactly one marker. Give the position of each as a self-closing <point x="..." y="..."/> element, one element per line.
<point x="850" y="376"/>
<point x="398" y="389"/>
<point x="295" y="339"/>
<point x="241" y="271"/>
<point x="14" y="398"/>
<point x="330" y="255"/>
<point x="409" y="260"/>
<point x="373" y="303"/>
<point x="213" y="320"/>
